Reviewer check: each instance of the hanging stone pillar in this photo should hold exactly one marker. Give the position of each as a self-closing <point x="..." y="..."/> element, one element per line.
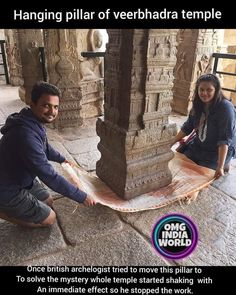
<point x="135" y="134"/>
<point x="194" y="58"/>
<point x="13" y="57"/>
<point x="30" y="41"/>
<point x="63" y="71"/>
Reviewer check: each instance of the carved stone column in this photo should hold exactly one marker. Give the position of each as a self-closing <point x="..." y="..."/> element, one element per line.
<point x="13" y="57"/>
<point x="91" y="73"/>
<point x="30" y="41"/>
<point x="92" y="93"/>
<point x="135" y="134"/>
<point x="63" y="71"/>
<point x="194" y="58"/>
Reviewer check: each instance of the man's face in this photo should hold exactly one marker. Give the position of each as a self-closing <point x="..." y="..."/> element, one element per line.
<point x="46" y="108"/>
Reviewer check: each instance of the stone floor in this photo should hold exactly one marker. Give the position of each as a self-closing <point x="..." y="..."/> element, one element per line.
<point x="101" y="236"/>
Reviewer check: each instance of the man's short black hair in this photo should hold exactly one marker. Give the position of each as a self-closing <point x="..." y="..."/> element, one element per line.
<point x="41" y="88"/>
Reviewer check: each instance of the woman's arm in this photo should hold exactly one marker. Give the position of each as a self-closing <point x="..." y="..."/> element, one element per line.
<point x="222" y="153"/>
<point x="178" y="137"/>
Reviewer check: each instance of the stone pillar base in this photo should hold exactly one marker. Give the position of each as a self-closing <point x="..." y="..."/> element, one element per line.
<point x="144" y="168"/>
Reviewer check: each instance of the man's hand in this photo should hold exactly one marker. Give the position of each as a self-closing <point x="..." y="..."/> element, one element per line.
<point x="73" y="164"/>
<point x="68" y="162"/>
<point x="89" y="201"/>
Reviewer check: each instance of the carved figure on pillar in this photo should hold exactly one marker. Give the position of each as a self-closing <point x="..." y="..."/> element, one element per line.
<point x="88" y="67"/>
<point x="93" y="68"/>
<point x="33" y="54"/>
<point x="32" y="61"/>
<point x="96" y="40"/>
<point x="15" y="65"/>
<point x="159" y="51"/>
<point x="204" y="65"/>
<point x="181" y="69"/>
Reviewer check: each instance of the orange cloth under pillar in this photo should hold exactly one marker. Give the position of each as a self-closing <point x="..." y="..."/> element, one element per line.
<point x="188" y="178"/>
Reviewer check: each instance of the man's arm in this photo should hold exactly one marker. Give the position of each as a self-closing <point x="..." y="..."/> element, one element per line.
<point x="32" y="153"/>
<point x="54" y="155"/>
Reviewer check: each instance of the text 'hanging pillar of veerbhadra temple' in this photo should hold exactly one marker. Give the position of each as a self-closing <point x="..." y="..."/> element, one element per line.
<point x="135" y="134"/>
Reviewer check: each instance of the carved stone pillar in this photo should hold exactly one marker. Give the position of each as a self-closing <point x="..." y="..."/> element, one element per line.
<point x="13" y="57"/>
<point x="63" y="71"/>
<point x="30" y="41"/>
<point x="135" y="134"/>
<point x="91" y="73"/>
<point x="194" y="58"/>
<point x="92" y="93"/>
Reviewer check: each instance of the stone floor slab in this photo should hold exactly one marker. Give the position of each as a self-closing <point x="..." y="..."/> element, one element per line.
<point x="214" y="213"/>
<point x="2" y="118"/>
<point x="227" y="184"/>
<point x="83" y="145"/>
<point x="121" y="248"/>
<point x="12" y="106"/>
<point x="82" y="223"/>
<point x="88" y="160"/>
<point x="88" y="129"/>
<point x="19" y="244"/>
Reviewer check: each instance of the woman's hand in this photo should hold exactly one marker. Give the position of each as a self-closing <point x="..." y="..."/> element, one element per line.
<point x="219" y="172"/>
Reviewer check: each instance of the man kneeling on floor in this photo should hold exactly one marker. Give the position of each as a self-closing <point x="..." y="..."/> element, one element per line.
<point x="24" y="157"/>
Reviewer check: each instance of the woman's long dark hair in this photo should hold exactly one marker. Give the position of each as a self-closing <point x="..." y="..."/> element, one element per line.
<point x="198" y="105"/>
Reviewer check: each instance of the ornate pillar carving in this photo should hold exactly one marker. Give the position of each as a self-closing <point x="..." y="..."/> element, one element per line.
<point x="194" y="58"/>
<point x="30" y="41"/>
<point x="135" y="134"/>
<point x="92" y="73"/>
<point x="63" y="71"/>
<point x="92" y="93"/>
<point x="13" y="57"/>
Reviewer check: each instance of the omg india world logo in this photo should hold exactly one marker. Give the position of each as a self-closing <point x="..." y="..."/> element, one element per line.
<point x="174" y="236"/>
